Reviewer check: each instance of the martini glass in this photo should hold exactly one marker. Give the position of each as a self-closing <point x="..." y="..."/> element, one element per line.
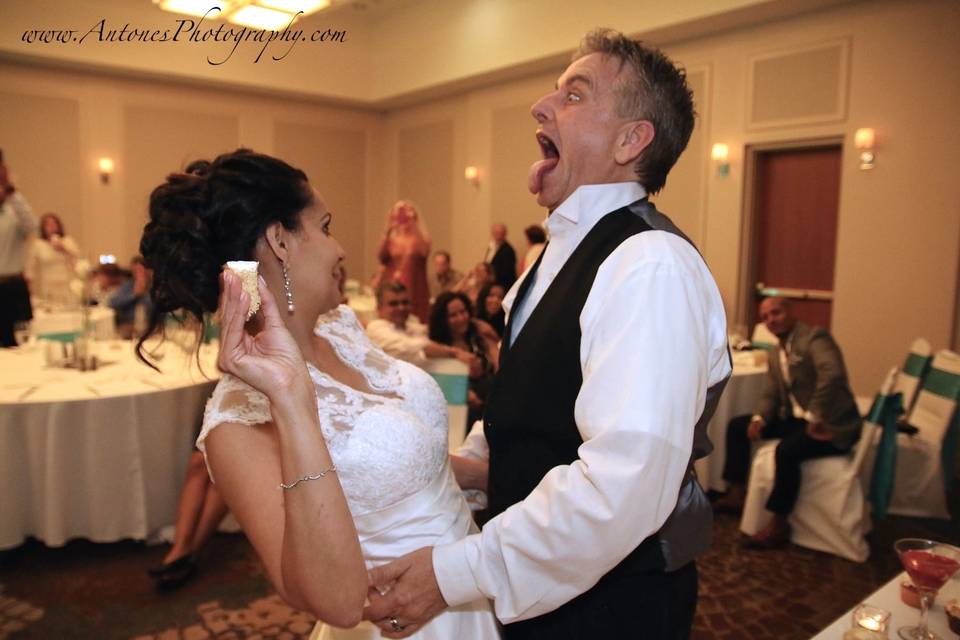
<point x="930" y="564"/>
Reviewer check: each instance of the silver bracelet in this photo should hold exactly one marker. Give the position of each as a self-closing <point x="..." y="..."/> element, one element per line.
<point x="319" y="475"/>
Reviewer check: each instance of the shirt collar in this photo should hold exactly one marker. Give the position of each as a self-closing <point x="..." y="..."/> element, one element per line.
<point x="590" y="202"/>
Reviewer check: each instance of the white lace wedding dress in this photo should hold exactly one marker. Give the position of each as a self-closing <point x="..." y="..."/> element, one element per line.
<point x="390" y="450"/>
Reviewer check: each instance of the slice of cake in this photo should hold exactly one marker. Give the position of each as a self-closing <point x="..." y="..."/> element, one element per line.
<point x="247" y="272"/>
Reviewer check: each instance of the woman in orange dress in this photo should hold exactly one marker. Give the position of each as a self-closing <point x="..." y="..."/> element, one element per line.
<point x="403" y="255"/>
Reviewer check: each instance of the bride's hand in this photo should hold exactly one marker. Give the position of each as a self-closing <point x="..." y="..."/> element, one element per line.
<point x="269" y="361"/>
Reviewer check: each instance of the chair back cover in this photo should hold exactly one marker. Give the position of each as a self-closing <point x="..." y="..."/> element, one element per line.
<point x="915" y="367"/>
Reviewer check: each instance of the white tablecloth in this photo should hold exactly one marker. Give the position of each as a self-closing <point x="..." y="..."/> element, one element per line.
<point x="740" y="397"/>
<point x="888" y="597"/>
<point x="99" y="455"/>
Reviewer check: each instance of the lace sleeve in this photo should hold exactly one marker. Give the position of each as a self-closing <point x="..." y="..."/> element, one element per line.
<point x="233" y="401"/>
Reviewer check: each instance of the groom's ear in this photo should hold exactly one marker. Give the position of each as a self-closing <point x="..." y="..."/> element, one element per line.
<point x="276" y="238"/>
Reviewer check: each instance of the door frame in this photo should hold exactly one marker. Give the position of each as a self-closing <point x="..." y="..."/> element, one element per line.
<point x="745" y="309"/>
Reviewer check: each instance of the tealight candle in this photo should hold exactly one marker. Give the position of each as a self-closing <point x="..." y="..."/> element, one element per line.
<point x="871" y="618"/>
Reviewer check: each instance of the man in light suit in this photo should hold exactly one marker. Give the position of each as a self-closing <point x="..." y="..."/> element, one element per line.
<point x="806" y="402"/>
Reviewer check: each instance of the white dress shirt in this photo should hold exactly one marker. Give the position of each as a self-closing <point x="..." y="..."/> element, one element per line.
<point x="654" y="339"/>
<point x="404" y="344"/>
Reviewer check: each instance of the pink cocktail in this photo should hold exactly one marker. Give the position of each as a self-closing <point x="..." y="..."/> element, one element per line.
<point x="930" y="564"/>
<point x="927" y="569"/>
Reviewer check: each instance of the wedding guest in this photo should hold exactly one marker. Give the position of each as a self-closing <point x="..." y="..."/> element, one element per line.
<point x="401" y="334"/>
<point x="471" y="284"/>
<point x="131" y="301"/>
<point x="200" y="509"/>
<point x="53" y="257"/>
<point x="444" y="277"/>
<point x="489" y="306"/>
<point x="403" y="255"/>
<point x="807" y="403"/>
<point x="105" y="280"/>
<point x="17" y="222"/>
<point x="501" y="256"/>
<point x="451" y="323"/>
<point x="536" y="240"/>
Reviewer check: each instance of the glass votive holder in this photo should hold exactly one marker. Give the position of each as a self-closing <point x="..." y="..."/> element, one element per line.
<point x="869" y="623"/>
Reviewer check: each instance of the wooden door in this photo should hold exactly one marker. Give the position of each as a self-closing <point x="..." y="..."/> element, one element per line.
<point x="797" y="192"/>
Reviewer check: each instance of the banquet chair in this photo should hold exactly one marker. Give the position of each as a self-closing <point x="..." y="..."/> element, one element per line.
<point x="453" y="378"/>
<point x="896" y="398"/>
<point x="831" y="513"/>
<point x="925" y="460"/>
<point x="910" y="378"/>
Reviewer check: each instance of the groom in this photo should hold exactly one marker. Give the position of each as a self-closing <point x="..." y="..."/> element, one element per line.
<point x="613" y="359"/>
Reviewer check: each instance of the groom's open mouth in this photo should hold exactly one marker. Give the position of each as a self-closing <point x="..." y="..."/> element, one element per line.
<point x="551" y="156"/>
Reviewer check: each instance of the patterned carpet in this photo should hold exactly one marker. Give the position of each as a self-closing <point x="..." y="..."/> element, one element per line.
<point x="87" y="590"/>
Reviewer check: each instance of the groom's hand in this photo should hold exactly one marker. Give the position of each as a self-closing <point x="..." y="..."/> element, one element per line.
<point x="411" y="598"/>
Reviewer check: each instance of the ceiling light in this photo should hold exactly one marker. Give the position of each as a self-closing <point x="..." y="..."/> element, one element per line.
<point x="260" y="17"/>
<point x="195" y="7"/>
<point x="259" y="14"/>
<point x="293" y="6"/>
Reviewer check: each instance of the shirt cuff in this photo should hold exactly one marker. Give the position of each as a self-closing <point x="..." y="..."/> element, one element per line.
<point x="810" y="416"/>
<point x="453" y="571"/>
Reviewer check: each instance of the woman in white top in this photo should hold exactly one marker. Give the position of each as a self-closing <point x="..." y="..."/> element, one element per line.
<point x="356" y="439"/>
<point x="53" y="257"/>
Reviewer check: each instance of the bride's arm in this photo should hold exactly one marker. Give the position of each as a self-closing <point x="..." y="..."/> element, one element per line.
<point x="305" y="536"/>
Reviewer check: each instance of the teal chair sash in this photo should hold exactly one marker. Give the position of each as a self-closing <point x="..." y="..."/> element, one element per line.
<point x="916" y="365"/>
<point x="947" y="385"/>
<point x="884" y="412"/>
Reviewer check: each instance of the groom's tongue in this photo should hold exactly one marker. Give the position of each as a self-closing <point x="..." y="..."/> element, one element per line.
<point x="537" y="170"/>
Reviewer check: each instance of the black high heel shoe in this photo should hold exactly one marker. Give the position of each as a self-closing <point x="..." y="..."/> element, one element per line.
<point x="175" y="574"/>
<point x="173" y="565"/>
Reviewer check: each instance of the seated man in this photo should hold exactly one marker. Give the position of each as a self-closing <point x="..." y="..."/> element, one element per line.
<point x="401" y="334"/>
<point x="806" y="402"/>
<point x="444" y="277"/>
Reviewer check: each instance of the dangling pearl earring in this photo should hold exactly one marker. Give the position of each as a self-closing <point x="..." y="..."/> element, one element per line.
<point x="286" y="287"/>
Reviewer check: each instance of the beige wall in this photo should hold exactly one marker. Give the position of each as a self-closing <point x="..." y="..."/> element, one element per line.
<point x="54" y="125"/>
<point x="899" y="225"/>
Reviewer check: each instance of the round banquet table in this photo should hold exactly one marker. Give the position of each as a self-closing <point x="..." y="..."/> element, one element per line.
<point x="99" y="454"/>
<point x="739" y="397"/>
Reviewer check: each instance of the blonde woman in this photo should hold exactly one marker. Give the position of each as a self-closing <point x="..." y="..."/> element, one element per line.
<point x="403" y="255"/>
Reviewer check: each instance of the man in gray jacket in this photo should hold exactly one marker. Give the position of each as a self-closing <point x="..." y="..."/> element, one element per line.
<point x="806" y="402"/>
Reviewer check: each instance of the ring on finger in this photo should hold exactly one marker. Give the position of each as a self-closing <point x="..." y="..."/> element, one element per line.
<point x="395" y="625"/>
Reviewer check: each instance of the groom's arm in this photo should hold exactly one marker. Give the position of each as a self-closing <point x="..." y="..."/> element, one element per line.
<point x="653" y="341"/>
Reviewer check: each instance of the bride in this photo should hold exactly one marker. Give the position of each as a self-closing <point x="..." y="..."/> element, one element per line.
<point x="331" y="454"/>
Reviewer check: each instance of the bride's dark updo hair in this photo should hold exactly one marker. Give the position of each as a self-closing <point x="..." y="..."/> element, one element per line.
<point x="209" y="214"/>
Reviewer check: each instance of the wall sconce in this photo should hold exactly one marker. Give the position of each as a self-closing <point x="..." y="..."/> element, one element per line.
<point x="472" y="175"/>
<point x="106" y="169"/>
<point x="864" y="140"/>
<point x="719" y="154"/>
